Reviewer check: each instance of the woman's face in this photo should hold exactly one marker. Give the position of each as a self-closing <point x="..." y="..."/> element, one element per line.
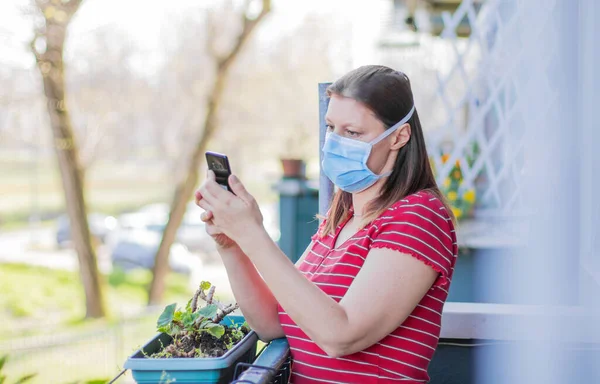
<point x="353" y="120"/>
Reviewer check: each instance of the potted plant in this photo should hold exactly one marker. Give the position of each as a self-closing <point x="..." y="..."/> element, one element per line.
<point x="195" y="344"/>
<point x="461" y="200"/>
<point x="293" y="168"/>
<point x="460" y="197"/>
<point x="292" y="154"/>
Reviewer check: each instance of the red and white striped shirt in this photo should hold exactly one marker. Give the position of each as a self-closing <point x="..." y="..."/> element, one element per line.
<point x="418" y="225"/>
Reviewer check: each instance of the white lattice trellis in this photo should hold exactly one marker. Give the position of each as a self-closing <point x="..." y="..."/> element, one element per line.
<point x="495" y="121"/>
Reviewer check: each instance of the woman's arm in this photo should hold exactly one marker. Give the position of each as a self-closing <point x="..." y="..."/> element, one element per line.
<point x="249" y="289"/>
<point x="383" y="294"/>
<point x="255" y="299"/>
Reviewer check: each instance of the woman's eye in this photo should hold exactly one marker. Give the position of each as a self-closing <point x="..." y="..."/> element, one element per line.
<point x="329" y="128"/>
<point x="352" y="133"/>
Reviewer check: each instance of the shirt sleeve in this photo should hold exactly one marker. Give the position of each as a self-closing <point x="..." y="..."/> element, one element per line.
<point x="420" y="228"/>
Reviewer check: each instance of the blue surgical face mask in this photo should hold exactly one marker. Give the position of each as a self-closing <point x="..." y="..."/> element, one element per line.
<point x="345" y="160"/>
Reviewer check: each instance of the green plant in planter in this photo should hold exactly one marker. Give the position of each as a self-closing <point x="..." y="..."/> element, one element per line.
<point x="460" y="197"/>
<point x="461" y="200"/>
<point x="196" y="331"/>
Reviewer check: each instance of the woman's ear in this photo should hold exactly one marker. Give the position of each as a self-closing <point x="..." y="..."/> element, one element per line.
<point x="401" y="137"/>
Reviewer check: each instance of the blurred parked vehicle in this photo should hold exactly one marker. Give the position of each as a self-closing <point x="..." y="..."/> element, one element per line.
<point x="136" y="248"/>
<point x="138" y="234"/>
<point x="153" y="217"/>
<point x="100" y="228"/>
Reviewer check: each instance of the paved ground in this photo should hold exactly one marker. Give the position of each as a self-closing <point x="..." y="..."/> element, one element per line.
<point x="38" y="247"/>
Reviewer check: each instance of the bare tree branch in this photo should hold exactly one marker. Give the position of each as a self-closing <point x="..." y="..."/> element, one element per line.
<point x="248" y="27"/>
<point x="211" y="293"/>
<point x="211" y="34"/>
<point x="185" y="187"/>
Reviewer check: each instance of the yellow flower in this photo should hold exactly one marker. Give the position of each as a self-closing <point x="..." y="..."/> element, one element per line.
<point x="457" y="212"/>
<point x="445" y="158"/>
<point x="447" y="182"/>
<point x="469" y="196"/>
<point x="49" y="12"/>
<point x="456" y="174"/>
<point x="452" y="196"/>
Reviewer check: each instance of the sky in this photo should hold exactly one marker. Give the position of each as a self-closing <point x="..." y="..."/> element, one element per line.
<point x="16" y="27"/>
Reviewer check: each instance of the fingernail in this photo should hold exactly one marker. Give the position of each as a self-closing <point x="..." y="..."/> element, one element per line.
<point x="234" y="179"/>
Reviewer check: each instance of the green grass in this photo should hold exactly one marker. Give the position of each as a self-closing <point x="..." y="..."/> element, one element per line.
<point x="35" y="300"/>
<point x="97" y="353"/>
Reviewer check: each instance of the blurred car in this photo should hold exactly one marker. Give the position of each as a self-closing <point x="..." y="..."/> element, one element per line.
<point x="137" y="249"/>
<point x="192" y="231"/>
<point x="100" y="228"/>
<point x="153" y="217"/>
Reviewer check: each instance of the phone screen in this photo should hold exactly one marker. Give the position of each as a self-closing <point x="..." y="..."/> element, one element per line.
<point x="219" y="164"/>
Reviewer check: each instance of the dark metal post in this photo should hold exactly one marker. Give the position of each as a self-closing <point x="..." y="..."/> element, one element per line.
<point x="325" y="185"/>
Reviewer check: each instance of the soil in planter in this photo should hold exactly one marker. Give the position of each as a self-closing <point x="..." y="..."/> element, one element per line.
<point x="202" y="344"/>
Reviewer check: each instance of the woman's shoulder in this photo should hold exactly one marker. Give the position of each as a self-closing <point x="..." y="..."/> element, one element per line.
<point x="419" y="206"/>
<point x="422" y="198"/>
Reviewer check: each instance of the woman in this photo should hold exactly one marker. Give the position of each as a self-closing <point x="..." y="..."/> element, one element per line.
<point x="364" y="302"/>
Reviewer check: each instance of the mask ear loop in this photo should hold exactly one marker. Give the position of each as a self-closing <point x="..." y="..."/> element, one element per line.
<point x="388" y="132"/>
<point x="394" y="127"/>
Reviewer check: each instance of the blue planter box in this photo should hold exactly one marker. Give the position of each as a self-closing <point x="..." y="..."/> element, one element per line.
<point x="190" y="370"/>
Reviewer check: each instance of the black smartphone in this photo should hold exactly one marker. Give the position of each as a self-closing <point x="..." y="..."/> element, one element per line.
<point x="219" y="164"/>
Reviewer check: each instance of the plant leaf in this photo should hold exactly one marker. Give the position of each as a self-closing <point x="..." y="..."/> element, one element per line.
<point x="3" y="361"/>
<point x="215" y="329"/>
<point x="203" y="322"/>
<point x="25" y="379"/>
<point x="209" y="311"/>
<point x="178" y="316"/>
<point x="188" y="306"/>
<point x="189" y="319"/>
<point x="166" y="317"/>
<point x="205" y="285"/>
<point x="175" y="329"/>
<point x="245" y="326"/>
<point x="186" y="319"/>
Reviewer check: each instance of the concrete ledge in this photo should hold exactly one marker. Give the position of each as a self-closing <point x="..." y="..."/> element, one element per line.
<point x="492" y="233"/>
<point x="520" y="322"/>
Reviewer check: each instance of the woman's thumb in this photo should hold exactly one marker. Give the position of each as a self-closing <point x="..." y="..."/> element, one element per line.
<point x="238" y="188"/>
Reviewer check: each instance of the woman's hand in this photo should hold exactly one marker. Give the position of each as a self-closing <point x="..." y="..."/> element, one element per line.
<point x="236" y="216"/>
<point x="223" y="242"/>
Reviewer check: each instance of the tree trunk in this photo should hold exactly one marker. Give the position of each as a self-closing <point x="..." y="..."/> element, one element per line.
<point x="183" y="192"/>
<point x="51" y="66"/>
<point x="185" y="189"/>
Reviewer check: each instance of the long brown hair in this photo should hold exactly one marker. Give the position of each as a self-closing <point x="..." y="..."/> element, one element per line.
<point x="387" y="93"/>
